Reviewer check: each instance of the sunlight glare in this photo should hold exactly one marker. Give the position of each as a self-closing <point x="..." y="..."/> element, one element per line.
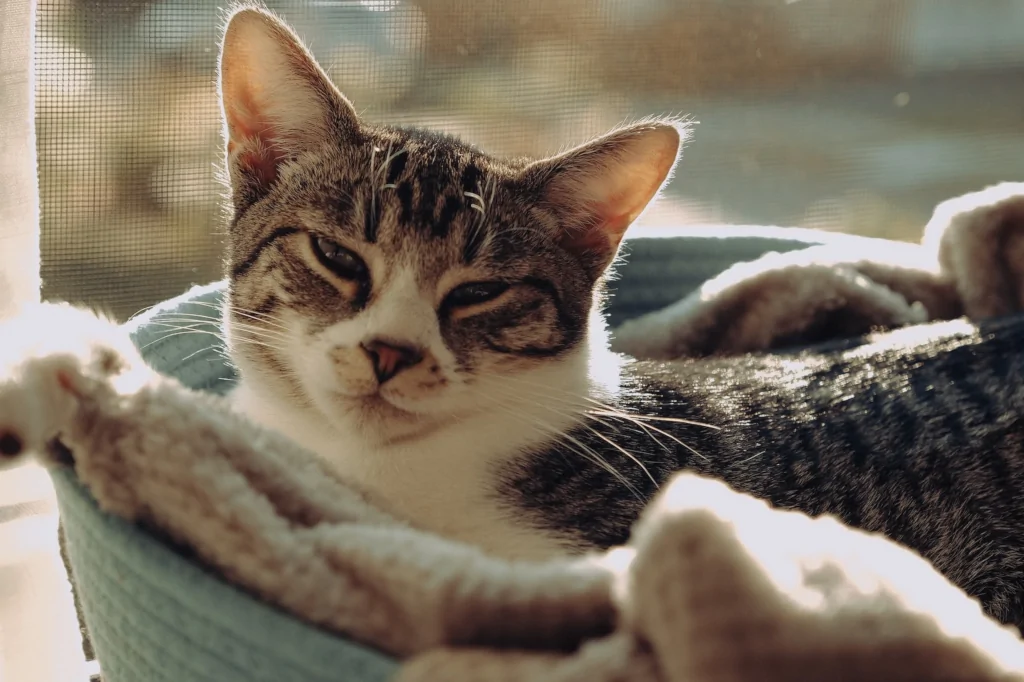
<point x="379" y="5"/>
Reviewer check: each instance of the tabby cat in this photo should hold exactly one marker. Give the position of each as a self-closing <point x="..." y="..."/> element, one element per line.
<point x="426" y="318"/>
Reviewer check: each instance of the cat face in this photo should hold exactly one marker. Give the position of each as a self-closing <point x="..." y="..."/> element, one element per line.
<point x="393" y="279"/>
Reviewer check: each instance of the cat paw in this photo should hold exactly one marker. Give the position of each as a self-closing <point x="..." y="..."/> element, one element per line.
<point x="979" y="239"/>
<point x="35" y="402"/>
<point x="51" y="358"/>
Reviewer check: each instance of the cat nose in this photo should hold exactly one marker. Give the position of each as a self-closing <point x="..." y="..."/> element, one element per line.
<point x="389" y="358"/>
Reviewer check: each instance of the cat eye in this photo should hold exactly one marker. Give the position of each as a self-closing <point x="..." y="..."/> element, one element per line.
<point x="339" y="260"/>
<point x="474" y="293"/>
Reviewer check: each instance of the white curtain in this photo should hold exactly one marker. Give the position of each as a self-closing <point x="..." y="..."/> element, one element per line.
<point x="19" y="188"/>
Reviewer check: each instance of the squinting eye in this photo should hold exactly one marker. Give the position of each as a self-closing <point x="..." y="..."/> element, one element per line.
<point x="474" y="293"/>
<point x="339" y="260"/>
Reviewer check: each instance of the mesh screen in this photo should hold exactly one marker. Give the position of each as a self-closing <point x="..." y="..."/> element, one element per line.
<point x="853" y="115"/>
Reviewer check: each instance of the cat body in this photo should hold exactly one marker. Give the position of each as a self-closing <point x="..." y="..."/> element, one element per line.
<point x="426" y="319"/>
<point x="917" y="434"/>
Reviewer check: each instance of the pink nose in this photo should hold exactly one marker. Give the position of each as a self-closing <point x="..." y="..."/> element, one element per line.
<point x="389" y="358"/>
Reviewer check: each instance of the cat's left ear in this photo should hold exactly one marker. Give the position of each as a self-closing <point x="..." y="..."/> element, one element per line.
<point x="277" y="101"/>
<point x="598" y="189"/>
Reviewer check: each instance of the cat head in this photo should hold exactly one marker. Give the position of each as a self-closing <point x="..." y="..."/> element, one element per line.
<point x="393" y="278"/>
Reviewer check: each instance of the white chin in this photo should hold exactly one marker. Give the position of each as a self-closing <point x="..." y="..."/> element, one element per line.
<point x="375" y="417"/>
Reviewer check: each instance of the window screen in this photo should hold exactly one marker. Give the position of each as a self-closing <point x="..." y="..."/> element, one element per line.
<point x="853" y="115"/>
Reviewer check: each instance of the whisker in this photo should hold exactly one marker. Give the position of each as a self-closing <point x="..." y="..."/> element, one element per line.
<point x="266" y="317"/>
<point x="612" y="443"/>
<point x="580" y="447"/>
<point x="373" y="176"/>
<point x="391" y="157"/>
<point x="177" y="332"/>
<point x="260" y="330"/>
<point x="379" y="173"/>
<point x="247" y="334"/>
<point x="638" y="420"/>
<point x="751" y="458"/>
<point x="263" y="344"/>
<point x="141" y="311"/>
<point x="184" y="324"/>
<point x="676" y="420"/>
<point x="216" y="321"/>
<point x="625" y="453"/>
<point x="252" y="336"/>
<point x="493" y="182"/>
<point x="211" y="318"/>
<point x="220" y="350"/>
<point x="184" y="319"/>
<point x="609" y="409"/>
<point x="247" y="337"/>
<point x="480" y="206"/>
<point x="606" y="439"/>
<point x="187" y="323"/>
<point x="648" y="428"/>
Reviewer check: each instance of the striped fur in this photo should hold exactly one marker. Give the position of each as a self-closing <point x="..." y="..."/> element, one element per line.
<point x="518" y="431"/>
<point x="917" y="434"/>
<point x="419" y="215"/>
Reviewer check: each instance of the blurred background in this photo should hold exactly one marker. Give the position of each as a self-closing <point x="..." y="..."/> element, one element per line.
<point x="847" y="115"/>
<point x="851" y="115"/>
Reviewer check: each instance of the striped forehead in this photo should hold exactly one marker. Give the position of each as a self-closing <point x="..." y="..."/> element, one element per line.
<point x="428" y="197"/>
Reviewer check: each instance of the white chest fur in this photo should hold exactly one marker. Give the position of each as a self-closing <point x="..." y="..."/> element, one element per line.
<point x="445" y="482"/>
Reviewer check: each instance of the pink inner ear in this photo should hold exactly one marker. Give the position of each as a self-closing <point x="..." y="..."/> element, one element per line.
<point x="251" y="141"/>
<point x="602" y="236"/>
<point x="604" y="188"/>
<point x="261" y="163"/>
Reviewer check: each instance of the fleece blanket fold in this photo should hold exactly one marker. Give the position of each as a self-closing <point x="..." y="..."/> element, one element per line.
<point x="714" y="586"/>
<point x="970" y="262"/>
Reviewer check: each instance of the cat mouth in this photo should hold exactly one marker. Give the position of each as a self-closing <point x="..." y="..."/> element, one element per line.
<point x="374" y="404"/>
<point x="378" y="403"/>
<point x="383" y="422"/>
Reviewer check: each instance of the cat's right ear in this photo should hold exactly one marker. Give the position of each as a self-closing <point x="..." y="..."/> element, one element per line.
<point x="598" y="189"/>
<point x="276" y="100"/>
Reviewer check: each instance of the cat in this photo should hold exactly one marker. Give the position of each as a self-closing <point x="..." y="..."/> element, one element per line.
<point x="426" y="318"/>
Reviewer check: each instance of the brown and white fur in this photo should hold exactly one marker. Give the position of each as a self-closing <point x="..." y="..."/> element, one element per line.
<point x="425" y="318"/>
<point x="417" y="215"/>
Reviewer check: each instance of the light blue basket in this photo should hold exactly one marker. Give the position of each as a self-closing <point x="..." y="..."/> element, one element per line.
<point x="154" y="616"/>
